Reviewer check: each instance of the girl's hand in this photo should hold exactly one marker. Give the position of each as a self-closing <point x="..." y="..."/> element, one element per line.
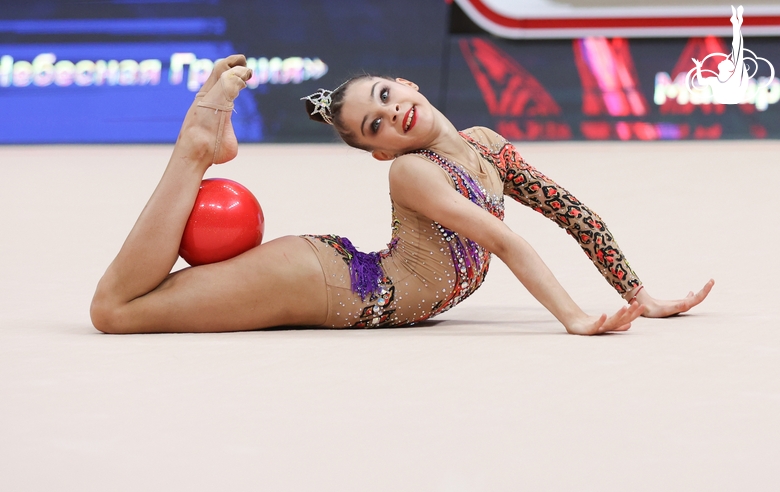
<point x="620" y="321"/>
<point x="656" y="308"/>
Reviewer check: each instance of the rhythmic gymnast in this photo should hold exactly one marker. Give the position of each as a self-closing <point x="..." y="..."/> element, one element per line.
<point x="731" y="83"/>
<point x="446" y="189"/>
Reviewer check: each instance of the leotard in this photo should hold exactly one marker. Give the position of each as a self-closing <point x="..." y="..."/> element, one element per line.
<point x="427" y="269"/>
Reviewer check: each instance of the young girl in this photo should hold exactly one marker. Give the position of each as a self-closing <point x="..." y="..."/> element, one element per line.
<point x="447" y="194"/>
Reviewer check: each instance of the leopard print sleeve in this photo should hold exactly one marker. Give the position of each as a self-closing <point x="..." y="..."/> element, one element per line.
<point x="532" y="188"/>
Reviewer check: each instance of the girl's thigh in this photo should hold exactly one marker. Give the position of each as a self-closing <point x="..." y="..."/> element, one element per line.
<point x="275" y="284"/>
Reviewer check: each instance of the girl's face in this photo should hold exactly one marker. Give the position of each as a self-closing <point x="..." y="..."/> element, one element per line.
<point x="389" y="116"/>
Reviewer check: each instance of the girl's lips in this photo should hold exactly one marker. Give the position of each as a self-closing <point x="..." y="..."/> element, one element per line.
<point x="410" y="118"/>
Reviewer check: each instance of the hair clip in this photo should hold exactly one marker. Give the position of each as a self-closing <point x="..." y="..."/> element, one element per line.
<point x="321" y="100"/>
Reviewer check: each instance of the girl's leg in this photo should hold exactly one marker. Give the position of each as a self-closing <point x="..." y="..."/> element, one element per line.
<point x="136" y="293"/>
<point x="277" y="283"/>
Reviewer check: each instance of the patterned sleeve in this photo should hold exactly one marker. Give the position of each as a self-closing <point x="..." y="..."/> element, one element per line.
<point x="529" y="186"/>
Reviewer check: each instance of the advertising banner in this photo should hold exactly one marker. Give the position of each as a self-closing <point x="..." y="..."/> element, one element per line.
<point x="600" y="89"/>
<point x="125" y="71"/>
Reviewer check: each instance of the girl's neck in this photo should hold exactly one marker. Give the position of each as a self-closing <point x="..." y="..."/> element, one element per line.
<point x="450" y="144"/>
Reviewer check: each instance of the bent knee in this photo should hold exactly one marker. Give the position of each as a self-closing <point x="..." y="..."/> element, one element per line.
<point x="106" y="317"/>
<point x="101" y="316"/>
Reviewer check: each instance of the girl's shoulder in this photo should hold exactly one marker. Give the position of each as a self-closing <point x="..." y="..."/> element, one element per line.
<point x="486" y="137"/>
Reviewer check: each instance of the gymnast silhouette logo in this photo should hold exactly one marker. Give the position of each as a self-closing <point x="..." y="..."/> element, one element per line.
<point x="730" y="84"/>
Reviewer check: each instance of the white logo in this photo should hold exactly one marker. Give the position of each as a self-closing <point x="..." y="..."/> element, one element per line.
<point x="729" y="85"/>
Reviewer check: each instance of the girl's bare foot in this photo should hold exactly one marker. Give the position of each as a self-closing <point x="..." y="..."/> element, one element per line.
<point x="220" y="67"/>
<point x="209" y="126"/>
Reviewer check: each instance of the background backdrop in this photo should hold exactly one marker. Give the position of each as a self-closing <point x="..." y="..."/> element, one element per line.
<point x="126" y="70"/>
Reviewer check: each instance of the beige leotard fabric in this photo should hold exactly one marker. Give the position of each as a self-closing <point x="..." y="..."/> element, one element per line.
<point x="427" y="269"/>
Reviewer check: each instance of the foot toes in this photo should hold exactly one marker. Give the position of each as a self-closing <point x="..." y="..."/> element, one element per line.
<point x="224" y="64"/>
<point x="236" y="61"/>
<point x="220" y="67"/>
<point x="242" y="72"/>
<point x="234" y="80"/>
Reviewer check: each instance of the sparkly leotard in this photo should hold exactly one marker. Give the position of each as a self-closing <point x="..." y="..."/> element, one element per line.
<point x="427" y="269"/>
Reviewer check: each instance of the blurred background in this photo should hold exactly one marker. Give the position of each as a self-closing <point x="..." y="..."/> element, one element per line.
<point x="124" y="71"/>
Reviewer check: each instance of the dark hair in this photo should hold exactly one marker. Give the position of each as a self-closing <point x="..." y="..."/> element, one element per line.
<point x="336" y="102"/>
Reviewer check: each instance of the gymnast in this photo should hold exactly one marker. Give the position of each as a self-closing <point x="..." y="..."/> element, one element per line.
<point x="446" y="190"/>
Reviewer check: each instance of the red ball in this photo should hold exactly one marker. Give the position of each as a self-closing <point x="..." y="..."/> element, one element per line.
<point x="226" y="221"/>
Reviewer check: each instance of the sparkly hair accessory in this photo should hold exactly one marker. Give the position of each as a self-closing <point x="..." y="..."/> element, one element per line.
<point x="321" y="100"/>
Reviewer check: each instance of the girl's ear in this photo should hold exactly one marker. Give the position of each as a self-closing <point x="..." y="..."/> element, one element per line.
<point x="382" y="156"/>
<point x="407" y="82"/>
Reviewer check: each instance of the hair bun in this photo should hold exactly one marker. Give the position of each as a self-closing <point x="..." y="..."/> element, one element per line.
<point x="313" y="114"/>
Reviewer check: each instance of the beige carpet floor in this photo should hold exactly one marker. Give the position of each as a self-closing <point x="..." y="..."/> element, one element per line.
<point x="491" y="396"/>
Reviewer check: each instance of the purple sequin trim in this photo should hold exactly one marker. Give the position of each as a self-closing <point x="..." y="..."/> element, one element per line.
<point x="364" y="271"/>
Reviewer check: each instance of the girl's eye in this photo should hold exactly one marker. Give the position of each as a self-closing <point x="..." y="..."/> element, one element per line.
<point x="384" y="95"/>
<point x="375" y="125"/>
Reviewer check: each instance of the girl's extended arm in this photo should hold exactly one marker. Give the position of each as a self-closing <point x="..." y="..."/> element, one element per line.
<point x="530" y="187"/>
<point x="419" y="185"/>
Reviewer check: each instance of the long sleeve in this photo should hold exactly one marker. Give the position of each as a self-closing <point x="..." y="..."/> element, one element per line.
<point x="529" y="186"/>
